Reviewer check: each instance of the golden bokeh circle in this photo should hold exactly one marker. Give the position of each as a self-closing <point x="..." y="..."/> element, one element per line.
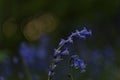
<point x="38" y="26"/>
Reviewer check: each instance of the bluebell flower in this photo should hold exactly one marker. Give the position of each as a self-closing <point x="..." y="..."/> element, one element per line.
<point x="69" y="40"/>
<point x="75" y="64"/>
<point x="82" y="66"/>
<point x="62" y="42"/>
<point x="78" y="63"/>
<point x="85" y="32"/>
<point x="73" y="34"/>
<point x="79" y="35"/>
<point x="56" y="52"/>
<point x="74" y="56"/>
<point x="65" y="52"/>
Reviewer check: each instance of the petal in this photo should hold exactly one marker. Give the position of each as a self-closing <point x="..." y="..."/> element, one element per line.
<point x="65" y="52"/>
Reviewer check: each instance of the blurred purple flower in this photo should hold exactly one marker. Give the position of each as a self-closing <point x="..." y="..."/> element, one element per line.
<point x="41" y="53"/>
<point x="42" y="49"/>
<point x="108" y="53"/>
<point x="2" y="78"/>
<point x="96" y="56"/>
<point x="27" y="52"/>
<point x="24" y="49"/>
<point x="7" y="70"/>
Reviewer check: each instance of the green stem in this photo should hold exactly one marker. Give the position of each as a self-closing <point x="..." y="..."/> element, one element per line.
<point x="71" y="77"/>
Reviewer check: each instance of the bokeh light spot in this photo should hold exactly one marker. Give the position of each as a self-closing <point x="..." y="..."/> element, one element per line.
<point x="9" y="28"/>
<point x="38" y="26"/>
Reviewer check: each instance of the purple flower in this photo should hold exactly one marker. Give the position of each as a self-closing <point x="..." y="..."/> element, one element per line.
<point x="78" y="63"/>
<point x="41" y="53"/>
<point x="69" y="40"/>
<point x="56" y="52"/>
<point x="85" y="32"/>
<point x="2" y="78"/>
<point x="74" y="56"/>
<point x="27" y="52"/>
<point x="65" y="52"/>
<point x="24" y="49"/>
<point x="62" y="42"/>
<point x="73" y="34"/>
<point x="79" y="35"/>
<point x="75" y="64"/>
<point x="7" y="71"/>
<point x="82" y="64"/>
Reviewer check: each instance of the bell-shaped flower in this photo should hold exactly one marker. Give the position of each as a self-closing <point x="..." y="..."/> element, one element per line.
<point x="65" y="52"/>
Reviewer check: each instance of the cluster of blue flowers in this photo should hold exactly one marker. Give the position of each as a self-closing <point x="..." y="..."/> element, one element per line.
<point x="34" y="57"/>
<point x="59" y="52"/>
<point x="33" y="60"/>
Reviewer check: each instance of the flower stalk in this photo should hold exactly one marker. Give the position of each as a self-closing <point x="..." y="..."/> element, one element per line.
<point x="59" y="52"/>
